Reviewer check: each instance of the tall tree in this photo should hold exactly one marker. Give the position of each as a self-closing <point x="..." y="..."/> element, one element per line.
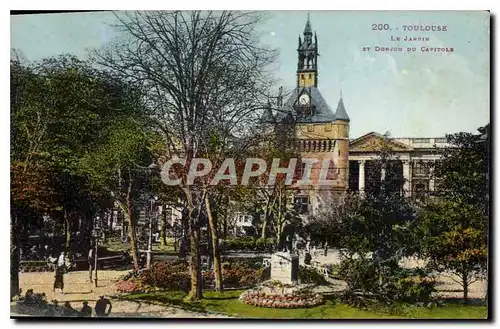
<point x="454" y="227"/>
<point x="201" y="72"/>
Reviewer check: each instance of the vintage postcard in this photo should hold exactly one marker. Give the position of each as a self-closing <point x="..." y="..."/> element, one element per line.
<point x="235" y="164"/>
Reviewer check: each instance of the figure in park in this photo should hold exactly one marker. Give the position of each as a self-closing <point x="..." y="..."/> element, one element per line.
<point x="308" y="258"/>
<point x="326" y="249"/>
<point x="67" y="309"/>
<point x="91" y="261"/>
<point x="100" y="306"/>
<point x="86" y="309"/>
<point x="59" y="273"/>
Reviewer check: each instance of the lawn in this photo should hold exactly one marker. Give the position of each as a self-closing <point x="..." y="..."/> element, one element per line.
<point x="228" y="303"/>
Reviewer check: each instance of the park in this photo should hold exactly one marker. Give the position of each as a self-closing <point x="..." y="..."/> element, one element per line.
<point x="126" y="197"/>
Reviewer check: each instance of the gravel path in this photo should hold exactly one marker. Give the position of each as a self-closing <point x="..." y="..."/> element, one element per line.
<point x="78" y="289"/>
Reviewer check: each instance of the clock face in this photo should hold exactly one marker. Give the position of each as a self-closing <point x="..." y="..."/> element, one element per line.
<point x="304" y="99"/>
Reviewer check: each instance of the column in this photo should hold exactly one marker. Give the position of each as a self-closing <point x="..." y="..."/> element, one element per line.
<point x="361" y="177"/>
<point x="431" y="177"/>
<point x="407" y="179"/>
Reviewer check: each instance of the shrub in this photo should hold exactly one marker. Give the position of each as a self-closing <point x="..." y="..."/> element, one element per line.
<point x="248" y="244"/>
<point x="310" y="275"/>
<point x="415" y="289"/>
<point x="239" y="276"/>
<point x="371" y="284"/>
<point x="170" y="275"/>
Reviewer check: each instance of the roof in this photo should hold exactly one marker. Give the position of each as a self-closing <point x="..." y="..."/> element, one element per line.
<point x="341" y="113"/>
<point x="267" y="116"/>
<point x="308" y="28"/>
<point x="323" y="113"/>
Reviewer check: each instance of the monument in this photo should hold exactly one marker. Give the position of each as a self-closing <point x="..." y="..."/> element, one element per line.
<point x="283" y="290"/>
<point x="285" y="264"/>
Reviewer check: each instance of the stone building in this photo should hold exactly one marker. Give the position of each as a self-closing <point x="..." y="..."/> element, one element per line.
<point x="321" y="133"/>
<point x="413" y="163"/>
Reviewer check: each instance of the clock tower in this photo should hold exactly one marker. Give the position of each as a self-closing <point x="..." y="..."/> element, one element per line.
<point x="307" y="72"/>
<point x="321" y="133"/>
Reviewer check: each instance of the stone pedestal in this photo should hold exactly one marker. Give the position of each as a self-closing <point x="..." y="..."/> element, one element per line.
<point x="285" y="267"/>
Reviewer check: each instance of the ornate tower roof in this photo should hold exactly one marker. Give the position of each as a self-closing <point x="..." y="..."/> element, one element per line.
<point x="308" y="29"/>
<point x="306" y="104"/>
<point x="341" y="113"/>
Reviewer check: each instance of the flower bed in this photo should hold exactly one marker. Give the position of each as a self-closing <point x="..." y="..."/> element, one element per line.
<point x="174" y="275"/>
<point x="277" y="295"/>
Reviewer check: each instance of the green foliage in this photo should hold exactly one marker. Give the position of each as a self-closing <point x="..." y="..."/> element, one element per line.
<point x="463" y="169"/>
<point x="371" y="284"/>
<point x="248" y="244"/>
<point x="310" y="275"/>
<point x="227" y="302"/>
<point x="454" y="229"/>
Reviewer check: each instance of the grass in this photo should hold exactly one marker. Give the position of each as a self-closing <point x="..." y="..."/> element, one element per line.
<point x="228" y="303"/>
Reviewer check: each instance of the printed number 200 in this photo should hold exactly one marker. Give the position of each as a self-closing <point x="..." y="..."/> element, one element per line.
<point x="380" y="27"/>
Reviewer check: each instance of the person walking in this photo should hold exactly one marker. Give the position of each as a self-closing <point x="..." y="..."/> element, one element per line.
<point x="91" y="261"/>
<point x="326" y="249"/>
<point x="100" y="306"/>
<point x="59" y="273"/>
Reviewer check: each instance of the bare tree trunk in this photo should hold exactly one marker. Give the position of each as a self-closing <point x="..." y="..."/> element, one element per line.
<point x="266" y="220"/>
<point x="465" y="285"/>
<point x="132" y="226"/>
<point x="196" y="292"/>
<point x="215" y="247"/>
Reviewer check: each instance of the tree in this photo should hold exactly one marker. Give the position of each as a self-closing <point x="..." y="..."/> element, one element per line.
<point x="453" y="240"/>
<point x="119" y="165"/>
<point x="70" y="112"/>
<point x="201" y="72"/>
<point x="375" y="232"/>
<point x="454" y="227"/>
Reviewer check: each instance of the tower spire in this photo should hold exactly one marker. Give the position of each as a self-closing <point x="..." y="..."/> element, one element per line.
<point x="308" y="29"/>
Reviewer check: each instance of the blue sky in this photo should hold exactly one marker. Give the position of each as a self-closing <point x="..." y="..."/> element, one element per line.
<point x="416" y="94"/>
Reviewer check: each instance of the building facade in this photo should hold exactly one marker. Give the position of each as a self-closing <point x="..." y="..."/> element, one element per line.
<point x="323" y="134"/>
<point x="320" y="132"/>
<point x="413" y="160"/>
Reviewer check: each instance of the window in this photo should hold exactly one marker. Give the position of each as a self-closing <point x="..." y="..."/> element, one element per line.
<point x="328" y="127"/>
<point x="421" y="140"/>
<point x="310" y="128"/>
<point x="301" y="204"/>
<point x="419" y="168"/>
<point x="441" y="140"/>
<point x="310" y="76"/>
<point x="300" y="170"/>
